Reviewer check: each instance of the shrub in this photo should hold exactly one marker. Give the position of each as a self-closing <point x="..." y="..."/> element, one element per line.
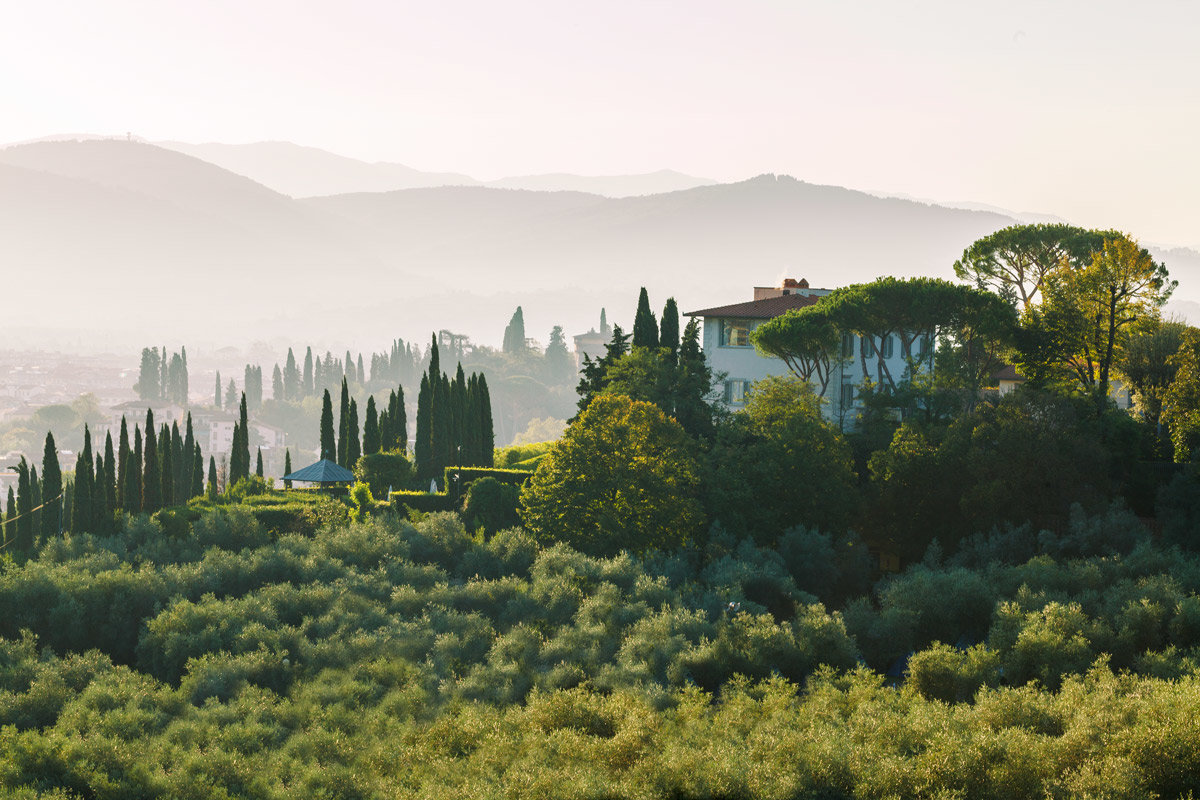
<point x="383" y="472"/>
<point x="491" y="505"/>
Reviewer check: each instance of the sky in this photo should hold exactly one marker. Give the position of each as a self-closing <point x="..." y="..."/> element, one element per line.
<point x="1087" y="110"/>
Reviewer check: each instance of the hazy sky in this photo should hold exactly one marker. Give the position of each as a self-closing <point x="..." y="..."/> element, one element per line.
<point x="1090" y="110"/>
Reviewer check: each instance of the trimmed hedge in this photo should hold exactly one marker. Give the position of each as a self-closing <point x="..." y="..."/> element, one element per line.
<point x="422" y="501"/>
<point x="467" y="475"/>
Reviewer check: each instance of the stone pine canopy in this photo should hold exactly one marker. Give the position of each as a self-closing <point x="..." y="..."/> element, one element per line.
<point x="324" y="471"/>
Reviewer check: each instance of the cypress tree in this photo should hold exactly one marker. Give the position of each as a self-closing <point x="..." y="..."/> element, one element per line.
<point x="212" y="476"/>
<point x="350" y="373"/>
<point x="343" y="441"/>
<point x="471" y="422"/>
<point x="82" y="514"/>
<point x="35" y="488"/>
<point x="422" y="448"/>
<point x="458" y="414"/>
<point x="287" y="466"/>
<point x="133" y="475"/>
<point x="362" y="377"/>
<point x="217" y="391"/>
<point x="487" y="438"/>
<point x="188" y="463"/>
<point x="514" y="333"/>
<point x="328" y="445"/>
<point x="244" y="446"/>
<point x="370" y="444"/>
<point x="668" y="330"/>
<point x="52" y="486"/>
<point x="162" y="380"/>
<point x="435" y="361"/>
<point x="231" y="395"/>
<point x="441" y="447"/>
<point x="166" y="467"/>
<point x="309" y="388"/>
<point x="122" y="463"/>
<point x="645" y="329"/>
<point x="110" y="476"/>
<point x="354" y="449"/>
<point x="258" y="465"/>
<point x="399" y="421"/>
<point x="291" y="378"/>
<point x="386" y="437"/>
<point x="151" y="469"/>
<point x="10" y="518"/>
<point x="176" y="465"/>
<point x="278" y="393"/>
<point x="24" y="507"/>
<point x="197" y="472"/>
<point x="101" y="510"/>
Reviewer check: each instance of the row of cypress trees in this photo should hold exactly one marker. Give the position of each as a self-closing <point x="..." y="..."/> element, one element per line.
<point x="454" y="421"/>
<point x="382" y="431"/>
<point x="158" y="468"/>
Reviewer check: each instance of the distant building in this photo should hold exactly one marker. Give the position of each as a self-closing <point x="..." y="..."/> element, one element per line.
<point x="727" y="346"/>
<point x="592" y="343"/>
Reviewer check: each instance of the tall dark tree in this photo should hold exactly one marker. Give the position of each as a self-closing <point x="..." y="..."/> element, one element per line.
<point x="133" y="475"/>
<point x="514" y="334"/>
<point x="166" y="467"/>
<point x="85" y="475"/>
<point x="668" y="329"/>
<point x="24" y="508"/>
<point x="258" y="465"/>
<point x="645" y="329"/>
<point x="440" y="446"/>
<point x="35" y="487"/>
<point x="217" y="391"/>
<point x="435" y="361"/>
<point x="398" y="417"/>
<point x="423" y="447"/>
<point x="354" y="445"/>
<point x="693" y="383"/>
<point x="52" y="486"/>
<point x="187" y="478"/>
<point x="110" y="476"/>
<point x="487" y="437"/>
<point x="10" y="518"/>
<point x="277" y="391"/>
<point x="197" y="472"/>
<point x="370" y="444"/>
<point x="231" y="395"/>
<point x="212" y="476"/>
<point x="253" y="386"/>
<point x="458" y="415"/>
<point x="328" y="442"/>
<point x="287" y="466"/>
<point x="101" y="510"/>
<point x="177" y="485"/>
<point x="343" y="441"/>
<point x="151" y="469"/>
<point x="362" y="376"/>
<point x="122" y="463"/>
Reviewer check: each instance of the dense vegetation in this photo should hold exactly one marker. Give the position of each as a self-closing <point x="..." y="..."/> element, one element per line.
<point x="672" y="600"/>
<point x="391" y="658"/>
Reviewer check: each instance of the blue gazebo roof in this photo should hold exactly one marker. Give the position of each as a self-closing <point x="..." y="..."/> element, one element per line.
<point x="324" y="471"/>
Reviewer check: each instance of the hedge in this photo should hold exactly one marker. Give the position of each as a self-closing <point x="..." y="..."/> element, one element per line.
<point x="467" y="475"/>
<point x="422" y="501"/>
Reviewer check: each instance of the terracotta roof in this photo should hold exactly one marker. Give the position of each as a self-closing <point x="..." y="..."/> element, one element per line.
<point x="1007" y="373"/>
<point x="767" y="308"/>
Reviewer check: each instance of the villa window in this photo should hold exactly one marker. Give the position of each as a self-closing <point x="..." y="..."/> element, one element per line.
<point x="887" y="346"/>
<point x="735" y="392"/>
<point x="847" y="345"/>
<point x="847" y="394"/>
<point x="735" y="332"/>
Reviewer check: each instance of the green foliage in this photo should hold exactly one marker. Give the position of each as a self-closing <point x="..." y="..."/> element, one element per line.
<point x="779" y="464"/>
<point x="623" y="476"/>
<point x="383" y="471"/>
<point x="490" y="504"/>
<point x="522" y="454"/>
<point x="422" y="501"/>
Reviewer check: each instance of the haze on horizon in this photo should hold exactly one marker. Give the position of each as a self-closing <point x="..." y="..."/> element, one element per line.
<point x="1084" y="110"/>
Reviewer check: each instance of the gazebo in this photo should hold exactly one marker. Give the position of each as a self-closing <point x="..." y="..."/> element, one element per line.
<point x="324" y="474"/>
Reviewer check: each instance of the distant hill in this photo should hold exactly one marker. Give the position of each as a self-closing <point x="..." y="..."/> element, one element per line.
<point x="310" y="172"/>
<point x="110" y="235"/>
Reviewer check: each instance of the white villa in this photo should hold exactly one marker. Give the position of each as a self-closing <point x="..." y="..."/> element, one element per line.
<point x="726" y="343"/>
